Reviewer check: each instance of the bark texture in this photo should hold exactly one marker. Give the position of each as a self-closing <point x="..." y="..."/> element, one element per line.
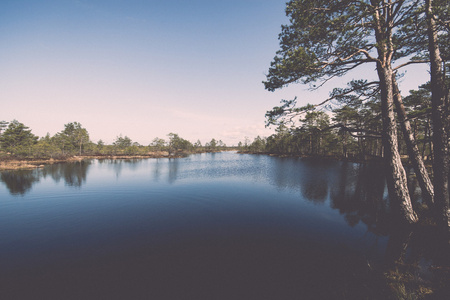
<point x="439" y="122"/>
<point x="414" y="154"/>
<point x="396" y="175"/>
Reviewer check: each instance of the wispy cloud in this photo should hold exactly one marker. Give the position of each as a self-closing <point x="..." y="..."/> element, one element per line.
<point x="239" y="133"/>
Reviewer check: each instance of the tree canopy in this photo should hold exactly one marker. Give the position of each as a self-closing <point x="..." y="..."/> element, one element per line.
<point x="17" y="138"/>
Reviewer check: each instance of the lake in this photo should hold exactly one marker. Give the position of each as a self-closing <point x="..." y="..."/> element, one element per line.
<point x="208" y="226"/>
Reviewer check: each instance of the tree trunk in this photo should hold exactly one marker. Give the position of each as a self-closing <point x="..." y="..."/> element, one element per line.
<point x="439" y="122"/>
<point x="344" y="143"/>
<point x="396" y="175"/>
<point x="413" y="151"/>
<point x="425" y="140"/>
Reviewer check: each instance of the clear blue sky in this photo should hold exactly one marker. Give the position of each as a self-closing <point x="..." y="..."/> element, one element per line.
<point x="145" y="68"/>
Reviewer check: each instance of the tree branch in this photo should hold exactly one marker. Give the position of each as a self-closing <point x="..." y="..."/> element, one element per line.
<point x="410" y="63"/>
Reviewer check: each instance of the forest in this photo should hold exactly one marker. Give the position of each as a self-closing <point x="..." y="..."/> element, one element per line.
<point x="368" y="118"/>
<point x="349" y="128"/>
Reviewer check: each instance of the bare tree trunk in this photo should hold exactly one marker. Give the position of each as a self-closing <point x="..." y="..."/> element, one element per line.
<point x="396" y="175"/>
<point x="439" y="122"/>
<point x="413" y="151"/>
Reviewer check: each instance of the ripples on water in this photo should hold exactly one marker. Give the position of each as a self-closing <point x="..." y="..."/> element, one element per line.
<point x="209" y="226"/>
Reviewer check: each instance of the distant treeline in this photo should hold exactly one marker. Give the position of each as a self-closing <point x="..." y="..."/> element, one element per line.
<point x="17" y="140"/>
<point x="350" y="131"/>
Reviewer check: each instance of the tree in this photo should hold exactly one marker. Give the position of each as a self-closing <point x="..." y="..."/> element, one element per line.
<point x="17" y="138"/>
<point x="246" y="141"/>
<point x="46" y="147"/>
<point x="282" y="141"/>
<point x="198" y="144"/>
<point x="158" y="144"/>
<point x="326" y="39"/>
<point x="258" y="145"/>
<point x="213" y="144"/>
<point x="428" y="37"/>
<point x="221" y="144"/>
<point x="345" y="116"/>
<point x="177" y="143"/>
<point x="3" y="125"/>
<point x="72" y="138"/>
<point x="100" y="145"/>
<point x="122" y="142"/>
<point x="413" y="150"/>
<point x="418" y="106"/>
<point x="440" y="114"/>
<point x="315" y="124"/>
<point x="408" y="135"/>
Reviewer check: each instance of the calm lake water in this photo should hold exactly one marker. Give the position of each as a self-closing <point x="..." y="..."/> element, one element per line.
<point x="208" y="226"/>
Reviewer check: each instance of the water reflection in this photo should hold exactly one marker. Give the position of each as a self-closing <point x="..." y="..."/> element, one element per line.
<point x="19" y="182"/>
<point x="74" y="174"/>
<point x="316" y="181"/>
<point x="281" y="222"/>
<point x="359" y="194"/>
<point x="315" y="191"/>
<point x="309" y="176"/>
<point x="357" y="191"/>
<point x="173" y="169"/>
<point x="156" y="171"/>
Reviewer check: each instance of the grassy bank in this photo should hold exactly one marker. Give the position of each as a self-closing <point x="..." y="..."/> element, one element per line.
<point x="8" y="162"/>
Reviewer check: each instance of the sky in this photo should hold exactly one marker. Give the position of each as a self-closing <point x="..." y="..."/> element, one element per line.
<point x="144" y="69"/>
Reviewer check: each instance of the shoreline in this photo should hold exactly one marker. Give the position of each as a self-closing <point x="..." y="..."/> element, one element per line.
<point x="404" y="158"/>
<point x="316" y="157"/>
<point x="11" y="164"/>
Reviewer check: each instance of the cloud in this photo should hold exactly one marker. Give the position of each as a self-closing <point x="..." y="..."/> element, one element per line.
<point x="239" y="133"/>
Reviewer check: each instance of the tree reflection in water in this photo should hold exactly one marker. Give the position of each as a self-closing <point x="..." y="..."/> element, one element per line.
<point x="19" y="182"/>
<point x="74" y="174"/>
<point x="173" y="170"/>
<point x="309" y="176"/>
<point x="317" y="180"/>
<point x="356" y="191"/>
<point x="417" y="260"/>
<point x="359" y="194"/>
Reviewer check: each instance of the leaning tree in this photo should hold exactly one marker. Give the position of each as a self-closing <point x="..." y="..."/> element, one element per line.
<point x="327" y="39"/>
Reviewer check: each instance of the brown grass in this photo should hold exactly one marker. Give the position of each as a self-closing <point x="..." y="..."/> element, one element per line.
<point x="21" y="164"/>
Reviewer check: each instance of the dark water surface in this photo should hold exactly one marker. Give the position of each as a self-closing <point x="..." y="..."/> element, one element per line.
<point x="209" y="226"/>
